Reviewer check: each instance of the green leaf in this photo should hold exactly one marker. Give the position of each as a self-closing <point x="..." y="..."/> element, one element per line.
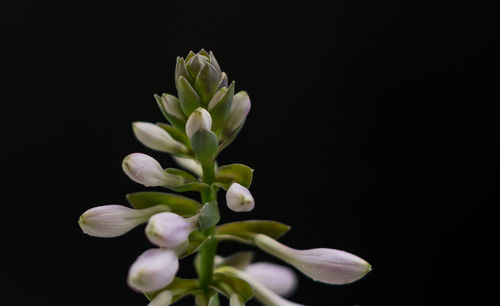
<point x="219" y="106"/>
<point x="206" y="83"/>
<point x="187" y="96"/>
<point x="193" y="186"/>
<point x="209" y="215"/>
<point x="204" y="144"/>
<point x="245" y="230"/>
<point x="190" y="178"/>
<point x="228" y="174"/>
<point x="228" y="284"/>
<point x="196" y="240"/>
<point x="238" y="260"/>
<point x="178" y="204"/>
<point x="180" y="287"/>
<point x="176" y="133"/>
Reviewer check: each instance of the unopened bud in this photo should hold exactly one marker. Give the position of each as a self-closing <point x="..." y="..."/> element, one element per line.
<point x="280" y="279"/>
<point x="238" y="112"/>
<point x="239" y="198"/>
<point x="199" y="119"/>
<point x="156" y="138"/>
<point x="153" y="270"/>
<point x="325" y="265"/>
<point x="172" y="107"/>
<point x="163" y="298"/>
<point x="189" y="164"/>
<point x="145" y="170"/>
<point x="169" y="230"/>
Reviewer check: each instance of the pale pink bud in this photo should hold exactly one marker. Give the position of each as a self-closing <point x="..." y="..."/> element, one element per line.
<point x="145" y="170"/>
<point x="239" y="198"/>
<point x="163" y="298"/>
<point x="280" y="279"/>
<point x="169" y="230"/>
<point x="156" y="138"/>
<point x="199" y="119"/>
<point x="115" y="220"/>
<point x="325" y="265"/>
<point x="189" y="164"/>
<point x="153" y="270"/>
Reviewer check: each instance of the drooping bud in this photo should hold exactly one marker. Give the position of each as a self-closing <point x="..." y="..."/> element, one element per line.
<point x="169" y="230"/>
<point x="115" y="220"/>
<point x="237" y="114"/>
<point x="163" y="298"/>
<point x="280" y="279"/>
<point x="325" y="265"/>
<point x="145" y="170"/>
<point x="156" y="138"/>
<point x="200" y="119"/>
<point x="239" y="198"/>
<point x="152" y="270"/>
<point x="189" y="164"/>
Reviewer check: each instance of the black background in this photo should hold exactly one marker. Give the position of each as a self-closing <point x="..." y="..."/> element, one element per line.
<point x="372" y="130"/>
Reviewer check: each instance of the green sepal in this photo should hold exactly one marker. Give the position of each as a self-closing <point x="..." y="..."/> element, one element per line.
<point x="213" y="61"/>
<point x="228" y="284"/>
<point x="206" y="83"/>
<point x="196" y="240"/>
<point x="196" y="63"/>
<point x="204" y="52"/>
<point x="178" y="204"/>
<point x="192" y="186"/>
<point x="239" y="260"/>
<point x="188" y="176"/>
<point x="190" y="55"/>
<point x="209" y="215"/>
<point x="181" y="70"/>
<point x="228" y="174"/>
<point x="246" y="230"/>
<point x="188" y="97"/>
<point x="204" y="145"/>
<point x="175" y="133"/>
<point x="220" y="105"/>
<point x="180" y="287"/>
<point x="178" y="123"/>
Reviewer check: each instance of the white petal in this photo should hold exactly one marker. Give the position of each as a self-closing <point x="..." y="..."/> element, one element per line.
<point x="280" y="279"/>
<point x="153" y="270"/>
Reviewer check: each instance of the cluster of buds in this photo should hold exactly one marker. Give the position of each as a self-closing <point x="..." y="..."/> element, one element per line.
<point x="205" y="118"/>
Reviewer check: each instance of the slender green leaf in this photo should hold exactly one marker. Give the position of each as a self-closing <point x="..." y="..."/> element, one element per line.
<point x="175" y="133"/>
<point x="180" y="287"/>
<point x="193" y="186"/>
<point x="228" y="174"/>
<point x="178" y="204"/>
<point x="228" y="285"/>
<point x="245" y="230"/>
<point x="190" y="178"/>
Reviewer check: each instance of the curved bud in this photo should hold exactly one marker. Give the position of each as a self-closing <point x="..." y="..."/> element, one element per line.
<point x="169" y="230"/>
<point x="152" y="270"/>
<point x="156" y="138"/>
<point x="325" y="265"/>
<point x="280" y="279"/>
<point x="198" y="120"/>
<point x="189" y="164"/>
<point x="145" y="170"/>
<point x="163" y="298"/>
<point x="115" y="220"/>
<point x="238" y="112"/>
<point x="239" y="198"/>
<point x="172" y="106"/>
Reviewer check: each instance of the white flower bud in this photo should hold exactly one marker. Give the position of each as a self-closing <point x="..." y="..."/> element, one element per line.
<point x="153" y="270"/>
<point x="115" y="220"/>
<point x="189" y="164"/>
<point x="172" y="107"/>
<point x="239" y="198"/>
<point x="325" y="265"/>
<point x="163" y="298"/>
<point x="156" y="138"/>
<point x="169" y="230"/>
<point x="238" y="112"/>
<point x="280" y="279"/>
<point x="145" y="170"/>
<point x="198" y="120"/>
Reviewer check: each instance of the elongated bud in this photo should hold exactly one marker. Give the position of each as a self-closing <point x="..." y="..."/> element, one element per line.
<point x="325" y="265"/>
<point x="235" y="300"/>
<point x="280" y="279"/>
<point x="145" y="170"/>
<point x="152" y="270"/>
<point x="169" y="230"/>
<point x="238" y="112"/>
<point x="156" y="138"/>
<point x="200" y="119"/>
<point x="189" y="164"/>
<point x="163" y="298"/>
<point x="172" y="107"/>
<point x="239" y="198"/>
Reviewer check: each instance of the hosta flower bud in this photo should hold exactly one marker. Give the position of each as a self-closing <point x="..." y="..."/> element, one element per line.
<point x="115" y="220"/>
<point x="238" y="113"/>
<point x="144" y="169"/>
<point x="170" y="105"/>
<point x="189" y="164"/>
<point x="152" y="270"/>
<point x="163" y="298"/>
<point x="239" y="198"/>
<point x="156" y="138"/>
<point x="198" y="120"/>
<point x="280" y="279"/>
<point x="169" y="230"/>
<point x="325" y="265"/>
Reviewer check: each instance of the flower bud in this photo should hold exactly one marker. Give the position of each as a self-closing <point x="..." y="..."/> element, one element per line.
<point x="169" y="230"/>
<point x="170" y="105"/>
<point x="235" y="300"/>
<point x="156" y="138"/>
<point x="153" y="270"/>
<point x="163" y="298"/>
<point x="238" y="113"/>
<point x="239" y="198"/>
<point x="280" y="279"/>
<point x="325" y="265"/>
<point x="145" y="170"/>
<point x="189" y="164"/>
<point x="115" y="220"/>
<point x="199" y="119"/>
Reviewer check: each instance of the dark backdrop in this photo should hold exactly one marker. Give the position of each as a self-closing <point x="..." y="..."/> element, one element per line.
<point x="372" y="130"/>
